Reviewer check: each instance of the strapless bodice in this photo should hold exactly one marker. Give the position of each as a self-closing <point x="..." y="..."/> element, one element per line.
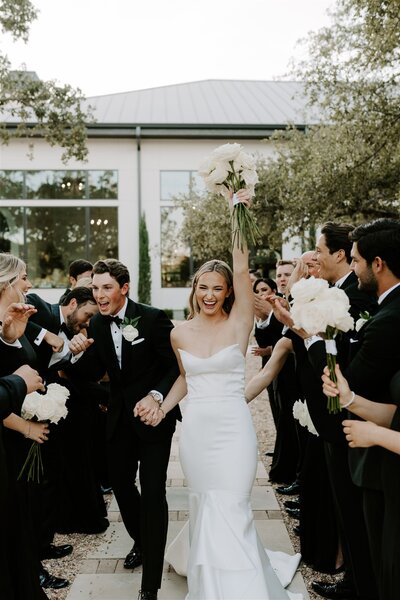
<point x="219" y="376"/>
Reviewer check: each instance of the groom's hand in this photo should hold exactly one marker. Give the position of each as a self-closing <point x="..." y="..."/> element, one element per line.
<point x="146" y="409"/>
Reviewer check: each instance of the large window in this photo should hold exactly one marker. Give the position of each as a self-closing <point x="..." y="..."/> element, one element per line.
<point x="176" y="261"/>
<point x="48" y="238"/>
<point x="59" y="185"/>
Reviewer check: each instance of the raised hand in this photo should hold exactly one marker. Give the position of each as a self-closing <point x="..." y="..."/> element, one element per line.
<point x="15" y="319"/>
<point x="31" y="377"/>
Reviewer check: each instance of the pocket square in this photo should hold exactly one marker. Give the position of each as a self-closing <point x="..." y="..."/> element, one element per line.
<point x="137" y="341"/>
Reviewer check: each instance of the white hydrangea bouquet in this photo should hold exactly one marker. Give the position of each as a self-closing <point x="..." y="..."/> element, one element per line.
<point x="300" y="412"/>
<point x="42" y="407"/>
<point x="323" y="310"/>
<point x="227" y="170"/>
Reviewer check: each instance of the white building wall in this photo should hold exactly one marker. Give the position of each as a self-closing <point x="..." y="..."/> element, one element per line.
<point x="121" y="154"/>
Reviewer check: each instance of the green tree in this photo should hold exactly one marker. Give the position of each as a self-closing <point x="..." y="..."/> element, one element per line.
<point x="144" y="283"/>
<point x="349" y="167"/>
<point x="30" y="107"/>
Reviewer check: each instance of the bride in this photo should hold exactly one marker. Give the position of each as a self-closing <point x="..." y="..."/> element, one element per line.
<point x="218" y="445"/>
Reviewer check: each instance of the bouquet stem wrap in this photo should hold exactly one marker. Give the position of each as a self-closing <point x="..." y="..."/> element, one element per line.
<point x="331" y="352"/>
<point x="244" y="227"/>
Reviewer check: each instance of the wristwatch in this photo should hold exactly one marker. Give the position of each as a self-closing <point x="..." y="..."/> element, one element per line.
<point x="158" y="397"/>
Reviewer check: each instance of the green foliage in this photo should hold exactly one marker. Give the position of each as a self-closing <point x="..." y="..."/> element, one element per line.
<point x="38" y="108"/>
<point x="144" y="283"/>
<point x="348" y="168"/>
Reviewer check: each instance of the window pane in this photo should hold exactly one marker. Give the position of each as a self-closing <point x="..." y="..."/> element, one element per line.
<point x="174" y="183"/>
<point x="56" y="184"/>
<point x="175" y="257"/>
<point x="12" y="231"/>
<point x="55" y="237"/>
<point x="11" y="184"/>
<point x="103" y="184"/>
<point x="103" y="233"/>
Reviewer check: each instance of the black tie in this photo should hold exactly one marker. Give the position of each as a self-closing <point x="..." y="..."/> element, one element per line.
<point x="68" y="333"/>
<point x="117" y="320"/>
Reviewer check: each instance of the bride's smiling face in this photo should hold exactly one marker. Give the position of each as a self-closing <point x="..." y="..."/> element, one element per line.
<point x="211" y="292"/>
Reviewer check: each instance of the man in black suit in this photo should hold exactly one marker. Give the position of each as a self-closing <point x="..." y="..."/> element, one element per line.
<point x="63" y="322"/>
<point x="376" y="263"/>
<point x="137" y="355"/>
<point x="333" y="252"/>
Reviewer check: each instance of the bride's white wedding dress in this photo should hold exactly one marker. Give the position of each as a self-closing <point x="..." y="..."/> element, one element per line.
<point x="218" y="453"/>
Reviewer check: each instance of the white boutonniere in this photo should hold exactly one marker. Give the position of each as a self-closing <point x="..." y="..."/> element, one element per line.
<point x="364" y="317"/>
<point x="129" y="331"/>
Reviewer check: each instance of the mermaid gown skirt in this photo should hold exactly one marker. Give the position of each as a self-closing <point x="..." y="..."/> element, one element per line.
<point x="219" y="550"/>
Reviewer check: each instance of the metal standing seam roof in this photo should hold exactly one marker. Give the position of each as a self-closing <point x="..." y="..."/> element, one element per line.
<point x="207" y="103"/>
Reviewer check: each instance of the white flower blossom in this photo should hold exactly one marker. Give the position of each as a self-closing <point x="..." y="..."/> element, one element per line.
<point x="300" y="412"/>
<point x="307" y="290"/>
<point x="130" y="333"/>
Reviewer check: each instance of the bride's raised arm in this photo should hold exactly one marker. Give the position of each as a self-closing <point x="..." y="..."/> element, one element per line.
<point x="243" y="309"/>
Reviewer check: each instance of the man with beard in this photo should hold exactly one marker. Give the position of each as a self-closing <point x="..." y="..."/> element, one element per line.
<point x="376" y="263"/>
<point x="63" y="322"/>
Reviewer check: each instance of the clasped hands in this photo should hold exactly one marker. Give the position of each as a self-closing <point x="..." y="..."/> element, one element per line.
<point x="149" y="411"/>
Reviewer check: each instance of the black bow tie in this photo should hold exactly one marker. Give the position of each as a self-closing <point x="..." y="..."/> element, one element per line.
<point x="68" y="333"/>
<point x="116" y="320"/>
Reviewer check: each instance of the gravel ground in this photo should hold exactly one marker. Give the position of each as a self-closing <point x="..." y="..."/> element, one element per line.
<point x="83" y="544"/>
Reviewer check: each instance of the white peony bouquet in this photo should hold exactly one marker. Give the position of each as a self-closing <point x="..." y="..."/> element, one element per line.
<point x="227" y="170"/>
<point x="300" y="412"/>
<point x="42" y="407"/>
<point x="320" y="309"/>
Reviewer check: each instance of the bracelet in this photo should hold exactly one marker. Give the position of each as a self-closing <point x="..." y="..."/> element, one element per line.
<point x="351" y="400"/>
<point x="26" y="435"/>
<point x="159" y="408"/>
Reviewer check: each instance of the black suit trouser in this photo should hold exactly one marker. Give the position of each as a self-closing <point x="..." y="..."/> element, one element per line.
<point x="348" y="499"/>
<point x="144" y="513"/>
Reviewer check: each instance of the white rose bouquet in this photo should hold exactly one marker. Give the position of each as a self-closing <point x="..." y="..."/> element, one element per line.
<point x="300" y="412"/>
<point x="227" y="170"/>
<point x="42" y="407"/>
<point x="319" y="309"/>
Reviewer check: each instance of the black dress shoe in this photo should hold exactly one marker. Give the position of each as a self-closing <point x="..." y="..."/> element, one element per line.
<point x="292" y="504"/>
<point x="147" y="595"/>
<point x="53" y="551"/>
<point x="50" y="581"/>
<point x="289" y="490"/>
<point x="342" y="590"/>
<point x="134" y="559"/>
<point x="293" y="512"/>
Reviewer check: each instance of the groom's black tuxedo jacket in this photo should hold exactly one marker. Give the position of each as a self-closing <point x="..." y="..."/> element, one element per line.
<point x="147" y="365"/>
<point x="369" y="374"/>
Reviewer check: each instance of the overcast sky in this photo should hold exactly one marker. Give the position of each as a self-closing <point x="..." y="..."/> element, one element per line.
<point x="108" y="46"/>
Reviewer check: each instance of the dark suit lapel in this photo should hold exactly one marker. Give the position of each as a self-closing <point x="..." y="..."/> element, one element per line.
<point x="130" y="313"/>
<point x="390" y="297"/>
<point x="55" y="313"/>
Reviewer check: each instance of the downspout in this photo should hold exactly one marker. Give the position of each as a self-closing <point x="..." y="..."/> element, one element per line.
<point x="139" y="170"/>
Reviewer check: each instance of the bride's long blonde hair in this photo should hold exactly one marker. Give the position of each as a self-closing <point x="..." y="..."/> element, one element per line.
<point x="223" y="269"/>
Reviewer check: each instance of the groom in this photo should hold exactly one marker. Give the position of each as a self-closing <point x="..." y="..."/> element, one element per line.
<point x="140" y="364"/>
